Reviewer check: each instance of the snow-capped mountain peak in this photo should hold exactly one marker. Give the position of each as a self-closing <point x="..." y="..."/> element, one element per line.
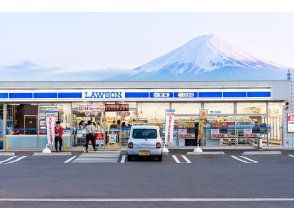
<point x="206" y="53"/>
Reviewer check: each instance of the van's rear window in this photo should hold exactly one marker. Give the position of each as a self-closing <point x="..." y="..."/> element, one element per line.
<point x="145" y="133"/>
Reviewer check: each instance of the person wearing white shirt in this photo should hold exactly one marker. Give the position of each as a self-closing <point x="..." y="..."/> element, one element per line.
<point x="89" y="130"/>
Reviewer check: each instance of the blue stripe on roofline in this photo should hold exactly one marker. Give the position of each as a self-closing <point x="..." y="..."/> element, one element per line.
<point x="259" y="94"/>
<point x="45" y="95"/>
<point x="210" y="94"/>
<point x="21" y="95"/>
<point x="70" y="95"/>
<point x="234" y="94"/>
<point x="3" y="95"/>
<point x="137" y="94"/>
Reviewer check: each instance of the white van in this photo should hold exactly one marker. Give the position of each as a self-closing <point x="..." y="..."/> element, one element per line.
<point x="144" y="141"/>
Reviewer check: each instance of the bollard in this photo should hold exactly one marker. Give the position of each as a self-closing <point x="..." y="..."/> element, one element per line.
<point x="259" y="142"/>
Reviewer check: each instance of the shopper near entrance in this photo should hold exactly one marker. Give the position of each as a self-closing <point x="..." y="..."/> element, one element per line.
<point x="58" y="136"/>
<point x="113" y="125"/>
<point x="196" y="130"/>
<point x="90" y="129"/>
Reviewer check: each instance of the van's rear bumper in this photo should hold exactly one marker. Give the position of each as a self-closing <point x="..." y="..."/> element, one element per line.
<point x="152" y="151"/>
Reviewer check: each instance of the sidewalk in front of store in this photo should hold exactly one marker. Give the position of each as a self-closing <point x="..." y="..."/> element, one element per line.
<point x="172" y="150"/>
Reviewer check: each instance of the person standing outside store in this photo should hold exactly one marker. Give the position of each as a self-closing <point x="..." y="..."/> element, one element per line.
<point x="58" y="136"/>
<point x="90" y="129"/>
<point x="196" y="130"/>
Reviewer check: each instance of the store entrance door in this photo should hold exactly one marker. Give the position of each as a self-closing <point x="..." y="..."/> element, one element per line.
<point x="30" y="124"/>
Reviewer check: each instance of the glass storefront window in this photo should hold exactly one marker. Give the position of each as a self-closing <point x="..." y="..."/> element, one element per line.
<point x="22" y="119"/>
<point x="251" y="108"/>
<point x="186" y="108"/>
<point x="275" y="110"/>
<point x="1" y="125"/>
<point x="152" y="113"/>
<point x="215" y="108"/>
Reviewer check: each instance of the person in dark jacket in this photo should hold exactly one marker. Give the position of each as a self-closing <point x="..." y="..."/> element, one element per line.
<point x="196" y="130"/>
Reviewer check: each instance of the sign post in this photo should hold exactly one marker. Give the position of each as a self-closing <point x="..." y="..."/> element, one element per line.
<point x="169" y="128"/>
<point x="50" y="123"/>
<point x="290" y="120"/>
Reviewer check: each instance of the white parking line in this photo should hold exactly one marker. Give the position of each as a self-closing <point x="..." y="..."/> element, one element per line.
<point x="236" y="158"/>
<point x="186" y="159"/>
<point x="123" y="159"/>
<point x="70" y="159"/>
<point x="18" y="159"/>
<point x="253" y="161"/>
<point x="176" y="159"/>
<point x="10" y="158"/>
<point x="269" y="199"/>
<point x="290" y="155"/>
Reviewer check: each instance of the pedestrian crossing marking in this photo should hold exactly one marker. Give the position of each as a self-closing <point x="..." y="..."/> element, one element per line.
<point x="98" y="157"/>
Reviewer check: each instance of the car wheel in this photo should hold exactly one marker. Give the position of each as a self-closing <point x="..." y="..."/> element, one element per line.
<point x="159" y="158"/>
<point x="130" y="158"/>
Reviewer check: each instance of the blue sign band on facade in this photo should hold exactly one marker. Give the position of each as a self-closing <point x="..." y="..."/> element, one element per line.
<point x="185" y="94"/>
<point x="45" y="95"/>
<point x="20" y="95"/>
<point x="137" y="94"/>
<point x="3" y="95"/>
<point x="161" y="94"/>
<point x="234" y="94"/>
<point x="259" y="94"/>
<point x="70" y="95"/>
<point x="210" y="94"/>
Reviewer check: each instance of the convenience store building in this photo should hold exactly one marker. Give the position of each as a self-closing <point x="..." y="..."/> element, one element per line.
<point x="238" y="111"/>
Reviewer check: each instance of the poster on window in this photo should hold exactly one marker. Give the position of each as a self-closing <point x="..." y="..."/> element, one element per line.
<point x="290" y="123"/>
<point x="50" y="124"/>
<point x="169" y="126"/>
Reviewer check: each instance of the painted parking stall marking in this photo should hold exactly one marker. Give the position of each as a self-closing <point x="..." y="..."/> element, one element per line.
<point x="14" y="161"/>
<point x="244" y="159"/>
<point x="10" y="158"/>
<point x="70" y="159"/>
<point x="290" y="155"/>
<point x="123" y="159"/>
<point x="184" y="159"/>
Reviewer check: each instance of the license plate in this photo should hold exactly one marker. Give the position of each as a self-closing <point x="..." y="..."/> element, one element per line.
<point x="144" y="152"/>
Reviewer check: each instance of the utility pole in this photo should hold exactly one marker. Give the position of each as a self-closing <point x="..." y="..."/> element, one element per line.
<point x="289" y="75"/>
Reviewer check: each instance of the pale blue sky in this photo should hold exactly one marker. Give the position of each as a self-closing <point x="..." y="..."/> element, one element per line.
<point x="126" y="40"/>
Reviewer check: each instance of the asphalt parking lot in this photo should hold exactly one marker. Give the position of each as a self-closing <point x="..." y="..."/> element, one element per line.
<point x="180" y="180"/>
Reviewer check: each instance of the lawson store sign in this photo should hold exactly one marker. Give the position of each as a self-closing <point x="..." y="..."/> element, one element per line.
<point x="134" y="95"/>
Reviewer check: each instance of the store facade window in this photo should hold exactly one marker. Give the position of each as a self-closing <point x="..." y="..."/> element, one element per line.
<point x="220" y="108"/>
<point x="185" y="116"/>
<point x="228" y="123"/>
<point x="251" y="108"/>
<point x="275" y="118"/>
<point x="1" y="125"/>
<point x="152" y="113"/>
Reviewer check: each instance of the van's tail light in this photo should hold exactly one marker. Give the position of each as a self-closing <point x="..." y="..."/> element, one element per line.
<point x="130" y="145"/>
<point x="158" y="145"/>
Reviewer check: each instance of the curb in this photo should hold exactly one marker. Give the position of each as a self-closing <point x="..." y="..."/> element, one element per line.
<point x="7" y="153"/>
<point x="207" y="153"/>
<point x="261" y="153"/>
<point x="52" y="154"/>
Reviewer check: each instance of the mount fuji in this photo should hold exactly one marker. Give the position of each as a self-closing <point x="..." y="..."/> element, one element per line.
<point x="207" y="57"/>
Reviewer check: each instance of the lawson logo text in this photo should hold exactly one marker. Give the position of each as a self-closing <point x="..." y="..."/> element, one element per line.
<point x="103" y="95"/>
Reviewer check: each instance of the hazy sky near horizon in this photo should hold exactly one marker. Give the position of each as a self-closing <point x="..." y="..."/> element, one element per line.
<point x="80" y="41"/>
